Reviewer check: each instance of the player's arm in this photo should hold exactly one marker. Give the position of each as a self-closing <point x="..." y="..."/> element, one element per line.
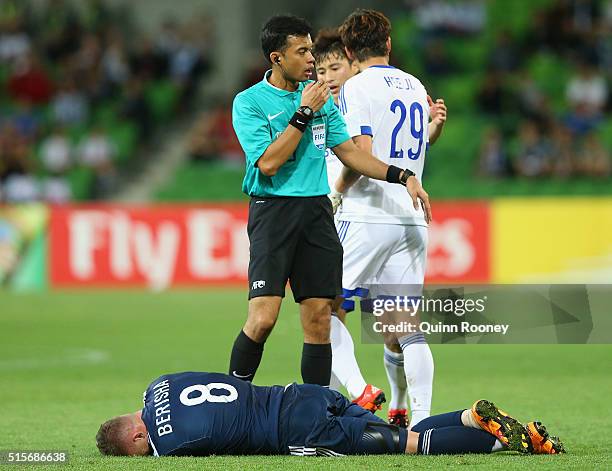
<point x="358" y="123"/>
<point x="314" y="96"/>
<point x="437" y="111"/>
<point x="366" y="164"/>
<point x="357" y="118"/>
<point x="348" y="177"/>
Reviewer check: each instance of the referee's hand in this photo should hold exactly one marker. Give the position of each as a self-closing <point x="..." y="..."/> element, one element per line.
<point x="416" y="192"/>
<point x="314" y="95"/>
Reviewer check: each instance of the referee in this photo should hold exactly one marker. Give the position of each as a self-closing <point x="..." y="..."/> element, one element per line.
<point x="285" y="123"/>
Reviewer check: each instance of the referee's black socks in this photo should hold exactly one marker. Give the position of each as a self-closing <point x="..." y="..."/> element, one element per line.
<point x="317" y="363"/>
<point x="246" y="356"/>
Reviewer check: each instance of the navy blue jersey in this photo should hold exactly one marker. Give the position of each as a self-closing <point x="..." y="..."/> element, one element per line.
<point x="211" y="413"/>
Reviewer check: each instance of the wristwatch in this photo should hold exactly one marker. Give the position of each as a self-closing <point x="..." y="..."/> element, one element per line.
<point x="306" y="111"/>
<point x="406" y="174"/>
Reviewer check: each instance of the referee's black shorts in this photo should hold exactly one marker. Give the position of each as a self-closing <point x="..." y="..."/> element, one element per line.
<point x="295" y="239"/>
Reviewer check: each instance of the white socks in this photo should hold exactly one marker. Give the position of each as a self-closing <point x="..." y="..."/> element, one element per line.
<point x="419" y="369"/>
<point x="416" y="373"/>
<point x="467" y="418"/>
<point x="394" y="366"/>
<point x="344" y="364"/>
<point x="497" y="446"/>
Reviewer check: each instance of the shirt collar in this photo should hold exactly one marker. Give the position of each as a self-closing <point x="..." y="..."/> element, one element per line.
<point x="381" y="66"/>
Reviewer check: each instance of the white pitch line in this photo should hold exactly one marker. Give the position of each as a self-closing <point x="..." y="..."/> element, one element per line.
<point x="73" y="357"/>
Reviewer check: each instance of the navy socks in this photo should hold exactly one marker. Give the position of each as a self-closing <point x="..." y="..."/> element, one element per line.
<point x="455" y="440"/>
<point x="438" y="421"/>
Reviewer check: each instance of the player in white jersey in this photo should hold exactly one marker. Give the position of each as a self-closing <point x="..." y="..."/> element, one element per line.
<point x="385" y="240"/>
<point x="334" y="68"/>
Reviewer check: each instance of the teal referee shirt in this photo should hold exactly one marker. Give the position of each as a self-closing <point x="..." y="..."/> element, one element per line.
<point x="260" y="114"/>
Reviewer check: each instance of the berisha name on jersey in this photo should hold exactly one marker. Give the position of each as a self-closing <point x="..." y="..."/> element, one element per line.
<point x="161" y="402"/>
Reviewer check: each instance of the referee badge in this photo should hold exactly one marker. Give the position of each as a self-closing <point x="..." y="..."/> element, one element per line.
<point x="318" y="135"/>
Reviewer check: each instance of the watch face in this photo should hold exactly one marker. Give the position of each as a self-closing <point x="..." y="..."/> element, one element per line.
<point x="306" y="111"/>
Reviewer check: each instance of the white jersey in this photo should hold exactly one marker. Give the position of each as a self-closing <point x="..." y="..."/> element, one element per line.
<point x="391" y="106"/>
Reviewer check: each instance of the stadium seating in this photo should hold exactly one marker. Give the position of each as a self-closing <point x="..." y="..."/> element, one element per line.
<point x="451" y="171"/>
<point x="125" y="102"/>
<point x="204" y="181"/>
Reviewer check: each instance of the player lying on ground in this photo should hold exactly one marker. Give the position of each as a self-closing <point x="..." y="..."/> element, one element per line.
<point x="199" y="414"/>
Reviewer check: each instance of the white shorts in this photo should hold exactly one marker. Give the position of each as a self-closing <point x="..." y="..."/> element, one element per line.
<point x="389" y="257"/>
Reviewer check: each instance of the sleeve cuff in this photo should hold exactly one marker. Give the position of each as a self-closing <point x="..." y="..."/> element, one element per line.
<point x="366" y="131"/>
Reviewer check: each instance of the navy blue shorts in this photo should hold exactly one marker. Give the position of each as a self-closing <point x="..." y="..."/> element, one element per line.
<point x="318" y="421"/>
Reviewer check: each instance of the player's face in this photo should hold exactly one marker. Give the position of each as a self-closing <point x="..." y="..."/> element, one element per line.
<point x="334" y="70"/>
<point x="297" y="62"/>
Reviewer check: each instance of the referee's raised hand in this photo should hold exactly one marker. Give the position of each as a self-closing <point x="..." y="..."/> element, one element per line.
<point x="314" y="95"/>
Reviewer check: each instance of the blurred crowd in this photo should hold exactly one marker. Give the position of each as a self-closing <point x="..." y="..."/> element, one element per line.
<point x="546" y="140"/>
<point x="550" y="125"/>
<point x="463" y="17"/>
<point x="212" y="137"/>
<point x="533" y="129"/>
<point x="63" y="66"/>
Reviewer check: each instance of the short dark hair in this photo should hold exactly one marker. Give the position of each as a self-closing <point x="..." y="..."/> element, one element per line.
<point x="328" y="43"/>
<point x="275" y="32"/>
<point x="365" y="33"/>
<point x="109" y="438"/>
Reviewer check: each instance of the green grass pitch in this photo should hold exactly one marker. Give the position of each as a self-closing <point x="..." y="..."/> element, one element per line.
<point x="70" y="360"/>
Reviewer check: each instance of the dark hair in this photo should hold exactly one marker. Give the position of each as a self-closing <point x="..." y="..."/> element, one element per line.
<point x="275" y="32"/>
<point x="109" y="438"/>
<point x="328" y="43"/>
<point x="365" y="34"/>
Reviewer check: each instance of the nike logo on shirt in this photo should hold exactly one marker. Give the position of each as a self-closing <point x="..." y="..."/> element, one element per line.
<point x="272" y="116"/>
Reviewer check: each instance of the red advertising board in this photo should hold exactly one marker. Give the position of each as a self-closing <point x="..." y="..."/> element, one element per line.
<point x="459" y="243"/>
<point x="155" y="246"/>
<point x="172" y="245"/>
